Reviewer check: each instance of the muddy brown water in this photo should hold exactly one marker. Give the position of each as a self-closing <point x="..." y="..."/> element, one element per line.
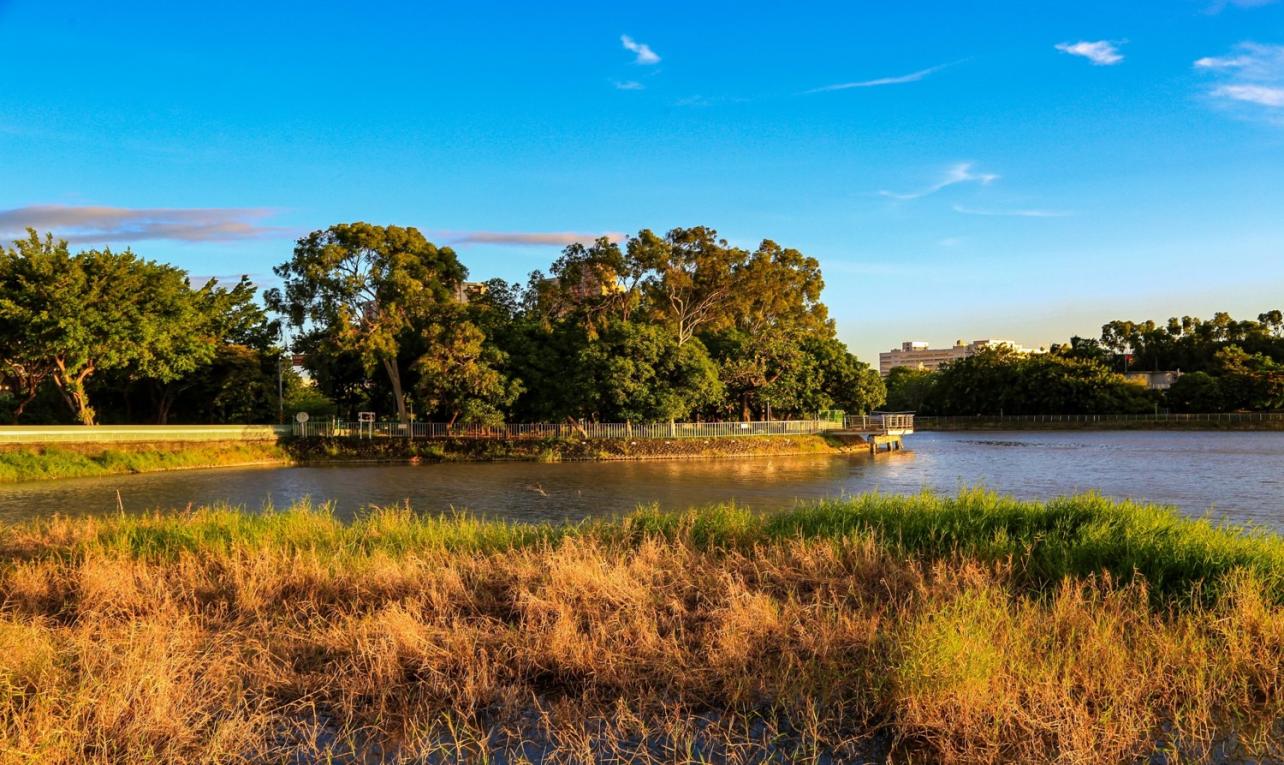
<point x="1237" y="476"/>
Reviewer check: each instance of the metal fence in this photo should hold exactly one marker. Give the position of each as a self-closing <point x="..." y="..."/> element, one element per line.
<point x="1263" y="419"/>
<point x="590" y="430"/>
<point x="894" y="423"/>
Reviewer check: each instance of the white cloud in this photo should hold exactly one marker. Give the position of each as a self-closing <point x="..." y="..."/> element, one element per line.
<point x="628" y="85"/>
<point x="897" y="80"/>
<point x="1013" y="213"/>
<point x="100" y="225"/>
<point x="959" y="173"/>
<point x="1253" y="94"/>
<point x="1252" y="73"/>
<point x="644" y="53"/>
<point x="1100" y="53"/>
<point x="526" y="238"/>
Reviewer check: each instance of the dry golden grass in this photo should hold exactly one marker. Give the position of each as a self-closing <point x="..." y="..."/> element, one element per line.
<point x="609" y="644"/>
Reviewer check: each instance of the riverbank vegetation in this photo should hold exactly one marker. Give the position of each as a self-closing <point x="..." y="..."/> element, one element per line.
<point x="324" y="449"/>
<point x="1226" y="366"/>
<point x="961" y="629"/>
<point x="37" y="463"/>
<point x="645" y="329"/>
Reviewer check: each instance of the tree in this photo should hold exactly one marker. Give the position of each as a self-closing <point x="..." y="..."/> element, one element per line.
<point x="459" y="376"/>
<point x="848" y="382"/>
<point x="200" y="323"/>
<point x="776" y="308"/>
<point x="692" y="278"/>
<point x="909" y="390"/>
<point x="1249" y="381"/>
<point x="638" y="373"/>
<point x="1195" y="392"/>
<point x="90" y="312"/>
<point x="998" y="381"/>
<point x="366" y="287"/>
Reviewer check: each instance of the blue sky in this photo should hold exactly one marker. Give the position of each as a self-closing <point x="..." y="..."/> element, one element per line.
<point x="1010" y="170"/>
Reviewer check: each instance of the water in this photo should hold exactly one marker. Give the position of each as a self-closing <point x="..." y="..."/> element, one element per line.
<point x="1239" y="476"/>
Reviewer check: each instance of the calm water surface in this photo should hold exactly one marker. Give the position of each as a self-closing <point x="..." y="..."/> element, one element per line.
<point x="1239" y="476"/>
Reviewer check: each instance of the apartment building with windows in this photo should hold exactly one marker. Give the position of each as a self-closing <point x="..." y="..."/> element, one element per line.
<point x="916" y="354"/>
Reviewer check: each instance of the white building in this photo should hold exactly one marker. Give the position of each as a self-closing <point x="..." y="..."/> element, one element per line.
<point x="915" y="354"/>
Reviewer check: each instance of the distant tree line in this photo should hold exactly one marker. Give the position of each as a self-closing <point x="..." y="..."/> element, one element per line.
<point x="657" y="327"/>
<point x="1225" y="365"/>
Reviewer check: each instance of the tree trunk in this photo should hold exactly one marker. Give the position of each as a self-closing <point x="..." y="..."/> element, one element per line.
<point x="32" y="391"/>
<point x="73" y="391"/>
<point x="394" y="376"/>
<point x="164" y="406"/>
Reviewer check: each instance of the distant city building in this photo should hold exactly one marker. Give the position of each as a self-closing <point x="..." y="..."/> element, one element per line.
<point x="915" y="354"/>
<point x="1153" y="380"/>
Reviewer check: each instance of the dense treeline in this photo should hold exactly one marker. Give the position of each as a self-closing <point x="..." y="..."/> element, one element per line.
<point x="658" y="327"/>
<point x="1225" y="365"/>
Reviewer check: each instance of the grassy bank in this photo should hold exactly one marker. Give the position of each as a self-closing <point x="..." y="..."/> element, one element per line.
<point x="35" y="463"/>
<point x="320" y="449"/>
<point x="927" y="629"/>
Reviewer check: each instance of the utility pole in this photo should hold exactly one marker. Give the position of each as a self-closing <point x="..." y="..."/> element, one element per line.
<point x="280" y="379"/>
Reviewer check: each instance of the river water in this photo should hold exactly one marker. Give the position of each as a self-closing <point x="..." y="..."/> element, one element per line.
<point x="1238" y="476"/>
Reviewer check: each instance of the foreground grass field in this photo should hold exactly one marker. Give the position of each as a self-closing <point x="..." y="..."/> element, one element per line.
<point x="918" y="629"/>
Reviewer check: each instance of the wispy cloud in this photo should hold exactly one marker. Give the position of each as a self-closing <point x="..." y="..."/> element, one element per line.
<point x="1220" y="5"/>
<point x="528" y="239"/>
<point x="897" y="80"/>
<point x="1252" y="74"/>
<point x="1100" y="52"/>
<point x="1013" y="213"/>
<point x="628" y="85"/>
<point x="956" y="174"/>
<point x="643" y="51"/>
<point x="89" y="224"/>
<point x="1261" y="95"/>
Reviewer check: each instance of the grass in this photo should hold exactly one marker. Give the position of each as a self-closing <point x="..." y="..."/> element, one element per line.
<point x="971" y="628"/>
<point x="88" y="460"/>
<point x="82" y="460"/>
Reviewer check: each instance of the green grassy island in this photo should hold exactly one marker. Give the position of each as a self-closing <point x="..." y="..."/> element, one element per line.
<point x="962" y="629"/>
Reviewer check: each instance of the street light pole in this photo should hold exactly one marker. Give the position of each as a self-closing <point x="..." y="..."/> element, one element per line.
<point x="280" y="380"/>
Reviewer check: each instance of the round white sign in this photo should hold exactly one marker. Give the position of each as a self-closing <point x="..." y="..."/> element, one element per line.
<point x="301" y="417"/>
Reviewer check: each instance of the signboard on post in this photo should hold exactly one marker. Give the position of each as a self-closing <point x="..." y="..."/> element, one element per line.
<point x="365" y="420"/>
<point x="302" y="419"/>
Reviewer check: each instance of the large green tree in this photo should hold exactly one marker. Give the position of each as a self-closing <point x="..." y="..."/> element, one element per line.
<point x="638" y="372"/>
<point x="95" y="311"/>
<point x="460" y="376"/>
<point x="366" y="288"/>
<point x="691" y="277"/>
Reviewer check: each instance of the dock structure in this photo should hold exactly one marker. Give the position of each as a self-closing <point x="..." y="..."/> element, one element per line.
<point x="884" y="431"/>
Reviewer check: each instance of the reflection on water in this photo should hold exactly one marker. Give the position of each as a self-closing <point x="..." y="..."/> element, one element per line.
<point x="1237" y="475"/>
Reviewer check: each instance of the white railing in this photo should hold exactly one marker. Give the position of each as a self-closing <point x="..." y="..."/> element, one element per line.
<point x="891" y="422"/>
<point x="897" y="423"/>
